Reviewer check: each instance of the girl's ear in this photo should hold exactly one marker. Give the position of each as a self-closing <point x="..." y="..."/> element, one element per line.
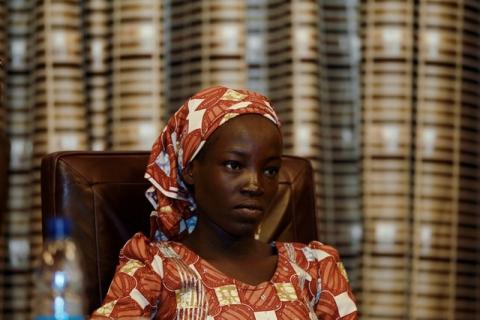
<point x="188" y="173"/>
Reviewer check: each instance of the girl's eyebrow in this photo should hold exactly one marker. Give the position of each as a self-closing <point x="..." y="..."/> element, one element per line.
<point x="238" y="153"/>
<point x="245" y="154"/>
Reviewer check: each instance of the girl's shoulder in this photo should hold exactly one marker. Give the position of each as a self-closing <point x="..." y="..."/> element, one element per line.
<point x="140" y="247"/>
<point x="315" y="257"/>
<point x="314" y="250"/>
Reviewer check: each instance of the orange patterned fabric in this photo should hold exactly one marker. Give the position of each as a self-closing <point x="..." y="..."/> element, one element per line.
<point x="182" y="138"/>
<point x="166" y="280"/>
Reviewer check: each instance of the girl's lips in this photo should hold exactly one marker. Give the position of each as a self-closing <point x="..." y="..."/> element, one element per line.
<point x="250" y="212"/>
<point x="254" y="205"/>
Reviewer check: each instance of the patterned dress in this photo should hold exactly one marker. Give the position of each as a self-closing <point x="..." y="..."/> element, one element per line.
<point x="166" y="280"/>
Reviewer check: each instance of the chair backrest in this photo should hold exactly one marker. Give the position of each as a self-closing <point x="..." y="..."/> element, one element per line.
<point x="103" y="194"/>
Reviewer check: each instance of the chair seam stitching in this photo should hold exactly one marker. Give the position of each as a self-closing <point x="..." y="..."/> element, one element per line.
<point x="96" y="243"/>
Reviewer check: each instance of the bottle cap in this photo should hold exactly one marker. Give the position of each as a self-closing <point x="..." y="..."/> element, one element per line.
<point x="59" y="228"/>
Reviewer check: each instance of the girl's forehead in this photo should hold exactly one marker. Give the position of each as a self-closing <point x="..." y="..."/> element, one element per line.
<point x="247" y="129"/>
<point x="241" y="124"/>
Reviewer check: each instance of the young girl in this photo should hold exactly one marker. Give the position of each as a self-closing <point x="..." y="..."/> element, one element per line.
<point x="214" y="172"/>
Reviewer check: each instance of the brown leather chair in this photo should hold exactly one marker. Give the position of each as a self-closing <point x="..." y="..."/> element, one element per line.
<point x="103" y="194"/>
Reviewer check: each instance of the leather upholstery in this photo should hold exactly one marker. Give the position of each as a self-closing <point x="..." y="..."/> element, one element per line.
<point x="103" y="194"/>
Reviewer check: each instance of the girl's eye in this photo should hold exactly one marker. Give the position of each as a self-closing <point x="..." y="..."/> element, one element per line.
<point x="271" y="171"/>
<point x="232" y="165"/>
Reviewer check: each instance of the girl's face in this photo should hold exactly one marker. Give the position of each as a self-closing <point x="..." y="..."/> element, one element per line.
<point x="235" y="177"/>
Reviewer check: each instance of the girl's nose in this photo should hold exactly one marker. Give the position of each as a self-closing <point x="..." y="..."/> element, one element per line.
<point x="253" y="185"/>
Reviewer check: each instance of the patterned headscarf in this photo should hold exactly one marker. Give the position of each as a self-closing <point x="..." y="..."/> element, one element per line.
<point x="183" y="137"/>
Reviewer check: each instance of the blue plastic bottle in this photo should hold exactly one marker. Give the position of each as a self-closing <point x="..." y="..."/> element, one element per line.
<point x="59" y="291"/>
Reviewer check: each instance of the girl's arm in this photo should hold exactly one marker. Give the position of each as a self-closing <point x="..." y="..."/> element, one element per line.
<point x="136" y="285"/>
<point x="336" y="299"/>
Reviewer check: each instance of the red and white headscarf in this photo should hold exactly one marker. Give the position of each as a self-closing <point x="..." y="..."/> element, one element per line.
<point x="183" y="137"/>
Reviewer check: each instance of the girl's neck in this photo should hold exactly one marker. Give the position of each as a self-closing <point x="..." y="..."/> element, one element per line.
<point x="209" y="241"/>
<point x="233" y="256"/>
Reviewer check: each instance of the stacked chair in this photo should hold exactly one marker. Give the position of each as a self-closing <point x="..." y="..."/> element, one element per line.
<point x="137" y="60"/>
<point x="387" y="117"/>
<point x="446" y="227"/>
